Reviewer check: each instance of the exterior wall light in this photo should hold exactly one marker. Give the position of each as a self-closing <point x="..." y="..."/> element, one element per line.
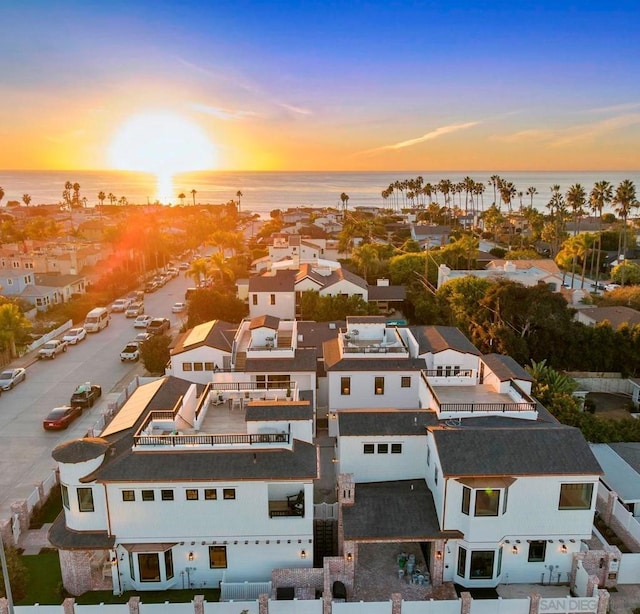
<point x="563" y="549"/>
<point x="439" y="554"/>
<point x="190" y="557"/>
<point x="514" y="550"/>
<point x="349" y="557"/>
<point x="303" y="554"/>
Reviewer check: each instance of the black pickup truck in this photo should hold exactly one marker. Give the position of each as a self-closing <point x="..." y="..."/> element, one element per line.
<point x="85" y="395"/>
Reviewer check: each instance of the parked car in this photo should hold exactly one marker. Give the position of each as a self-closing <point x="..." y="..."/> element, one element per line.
<point x="11" y="377"/>
<point x="120" y="305"/>
<point x="183" y="266"/>
<point x="142" y="321"/>
<point x="157" y="326"/>
<point x="610" y="287"/>
<point x="130" y="352"/>
<point x="178" y="307"/>
<point x="134" y="310"/>
<point x="150" y="286"/>
<point x="173" y="272"/>
<point x="52" y="348"/>
<point x="61" y="417"/>
<point x="74" y="335"/>
<point x="85" y="395"/>
<point x="137" y="296"/>
<point x="140" y="338"/>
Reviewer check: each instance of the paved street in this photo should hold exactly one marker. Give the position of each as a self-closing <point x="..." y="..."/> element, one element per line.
<point x="25" y="448"/>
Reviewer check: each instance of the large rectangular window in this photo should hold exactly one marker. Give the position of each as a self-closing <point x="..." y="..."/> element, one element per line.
<point x="487" y="502"/>
<point x="575" y="496"/>
<point x="537" y="551"/>
<point x="378" y="386"/>
<point x="218" y="557"/>
<point x="65" y="495"/>
<point x="345" y="386"/>
<point x="85" y="500"/>
<point x="482" y="564"/>
<point x="149" y="564"/>
<point x="168" y="563"/>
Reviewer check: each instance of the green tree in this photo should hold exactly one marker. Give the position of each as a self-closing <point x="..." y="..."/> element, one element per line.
<point x="624" y="199"/>
<point x="599" y="197"/>
<point x="14" y="327"/>
<point x="366" y="259"/>
<point x="199" y="270"/>
<point x="209" y="304"/>
<point x="626" y="273"/>
<point x="26" y="199"/>
<point x="155" y="354"/>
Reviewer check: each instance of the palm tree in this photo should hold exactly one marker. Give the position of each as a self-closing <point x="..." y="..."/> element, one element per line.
<point x="76" y="194"/>
<point x="531" y="192"/>
<point x="624" y="199"/>
<point x="218" y="264"/>
<point x="495" y="181"/>
<point x="101" y="197"/>
<point x="112" y="198"/>
<point x="238" y="196"/>
<point x="1" y="194"/>
<point x="26" y="199"/>
<point x="601" y="195"/>
<point x="123" y="201"/>
<point x="199" y="270"/>
<point x="366" y="258"/>
<point x="345" y="199"/>
<point x="193" y="194"/>
<point x="576" y="198"/>
<point x="182" y="196"/>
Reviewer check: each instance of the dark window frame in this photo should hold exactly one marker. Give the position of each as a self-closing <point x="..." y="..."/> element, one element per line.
<point x="85" y="505"/>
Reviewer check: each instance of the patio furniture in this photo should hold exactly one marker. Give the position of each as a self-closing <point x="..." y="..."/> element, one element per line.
<point x="296" y="503"/>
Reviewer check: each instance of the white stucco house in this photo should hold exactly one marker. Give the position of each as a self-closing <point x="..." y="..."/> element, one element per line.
<point x="180" y="491"/>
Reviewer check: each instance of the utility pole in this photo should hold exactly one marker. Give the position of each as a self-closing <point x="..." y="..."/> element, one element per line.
<point x="5" y="576"/>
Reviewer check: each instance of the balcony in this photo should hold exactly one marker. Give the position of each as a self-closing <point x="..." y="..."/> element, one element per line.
<point x="291" y="506"/>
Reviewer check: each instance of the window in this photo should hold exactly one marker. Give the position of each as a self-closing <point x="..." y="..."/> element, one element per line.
<point x="462" y="561"/>
<point x="192" y="494"/>
<point x="149" y="565"/>
<point x="369" y="448"/>
<point x="128" y="495"/>
<point x="187" y="366"/>
<point x="537" y="551"/>
<point x="482" y="564"/>
<point x="428" y="456"/>
<point x="197" y="366"/>
<point x="148" y="495"/>
<point x="435" y="476"/>
<point x="254" y="299"/>
<point x="575" y="496"/>
<point x="396" y="448"/>
<point x="487" y="501"/>
<point x="209" y="366"/>
<point x="379" y="385"/>
<point x="345" y="385"/>
<point x="272" y="299"/>
<point x="383" y="448"/>
<point x="218" y="557"/>
<point x="210" y="494"/>
<point x="228" y="493"/>
<point x="405" y="382"/>
<point x="466" y="499"/>
<point x="65" y="496"/>
<point x="85" y="500"/>
<point x="166" y="494"/>
<point x="132" y="567"/>
<point x="168" y="561"/>
<point x="499" y="565"/>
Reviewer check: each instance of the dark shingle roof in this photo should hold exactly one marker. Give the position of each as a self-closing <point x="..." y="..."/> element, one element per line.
<point x="282" y="281"/>
<point x="433" y="339"/>
<point x="260" y="411"/>
<point x="65" y="539"/>
<point x="468" y="451"/>
<point x="207" y="464"/>
<point x="303" y="360"/>
<point x="171" y="390"/>
<point x="80" y="450"/>
<point x="314" y="334"/>
<point x="387" y="293"/>
<point x="616" y="315"/>
<point x="366" y="320"/>
<point x="505" y="368"/>
<point x="399" y="510"/>
<point x="384" y="422"/>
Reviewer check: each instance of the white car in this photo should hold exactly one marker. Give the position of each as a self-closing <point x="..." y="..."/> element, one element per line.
<point x="120" y="305"/>
<point x="134" y="310"/>
<point x="142" y="321"/>
<point x="178" y="307"/>
<point x="141" y="338"/>
<point x="11" y="377"/>
<point x="73" y="335"/>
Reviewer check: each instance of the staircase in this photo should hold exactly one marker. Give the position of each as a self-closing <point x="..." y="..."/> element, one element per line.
<point x="284" y="340"/>
<point x="241" y="361"/>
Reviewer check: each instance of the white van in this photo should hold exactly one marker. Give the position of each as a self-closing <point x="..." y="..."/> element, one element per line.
<point x="96" y="320"/>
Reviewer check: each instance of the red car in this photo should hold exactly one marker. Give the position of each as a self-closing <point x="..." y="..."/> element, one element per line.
<point x="61" y="417"/>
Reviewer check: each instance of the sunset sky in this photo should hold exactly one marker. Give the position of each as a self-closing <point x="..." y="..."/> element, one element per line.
<point x="239" y="85"/>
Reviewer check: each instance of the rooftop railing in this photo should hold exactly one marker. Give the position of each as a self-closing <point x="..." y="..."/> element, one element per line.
<point x="197" y="439"/>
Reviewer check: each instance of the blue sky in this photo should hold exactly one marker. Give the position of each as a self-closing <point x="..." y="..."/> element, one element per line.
<point x="328" y="86"/>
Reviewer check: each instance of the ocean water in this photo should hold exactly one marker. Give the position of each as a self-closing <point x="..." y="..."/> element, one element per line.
<point x="264" y="191"/>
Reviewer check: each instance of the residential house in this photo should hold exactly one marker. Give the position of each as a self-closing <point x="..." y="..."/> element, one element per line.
<point x="621" y="465"/>
<point x="273" y="294"/>
<point x="180" y="490"/>
<point x="616" y="316"/>
<point x="430" y="235"/>
<point x="13" y="282"/>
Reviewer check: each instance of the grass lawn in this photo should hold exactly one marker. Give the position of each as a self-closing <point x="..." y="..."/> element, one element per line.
<point x="48" y="511"/>
<point x="44" y="579"/>
<point x="177" y="596"/>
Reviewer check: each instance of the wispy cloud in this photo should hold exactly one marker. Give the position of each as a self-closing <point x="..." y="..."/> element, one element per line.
<point x="293" y="109"/>
<point x="66" y="136"/>
<point x="627" y="106"/>
<point x="220" y="113"/>
<point x="561" y="137"/>
<point x="429" y="136"/>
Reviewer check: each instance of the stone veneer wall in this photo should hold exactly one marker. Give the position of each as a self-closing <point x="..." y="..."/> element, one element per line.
<point x="82" y="570"/>
<point x="299" y="577"/>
